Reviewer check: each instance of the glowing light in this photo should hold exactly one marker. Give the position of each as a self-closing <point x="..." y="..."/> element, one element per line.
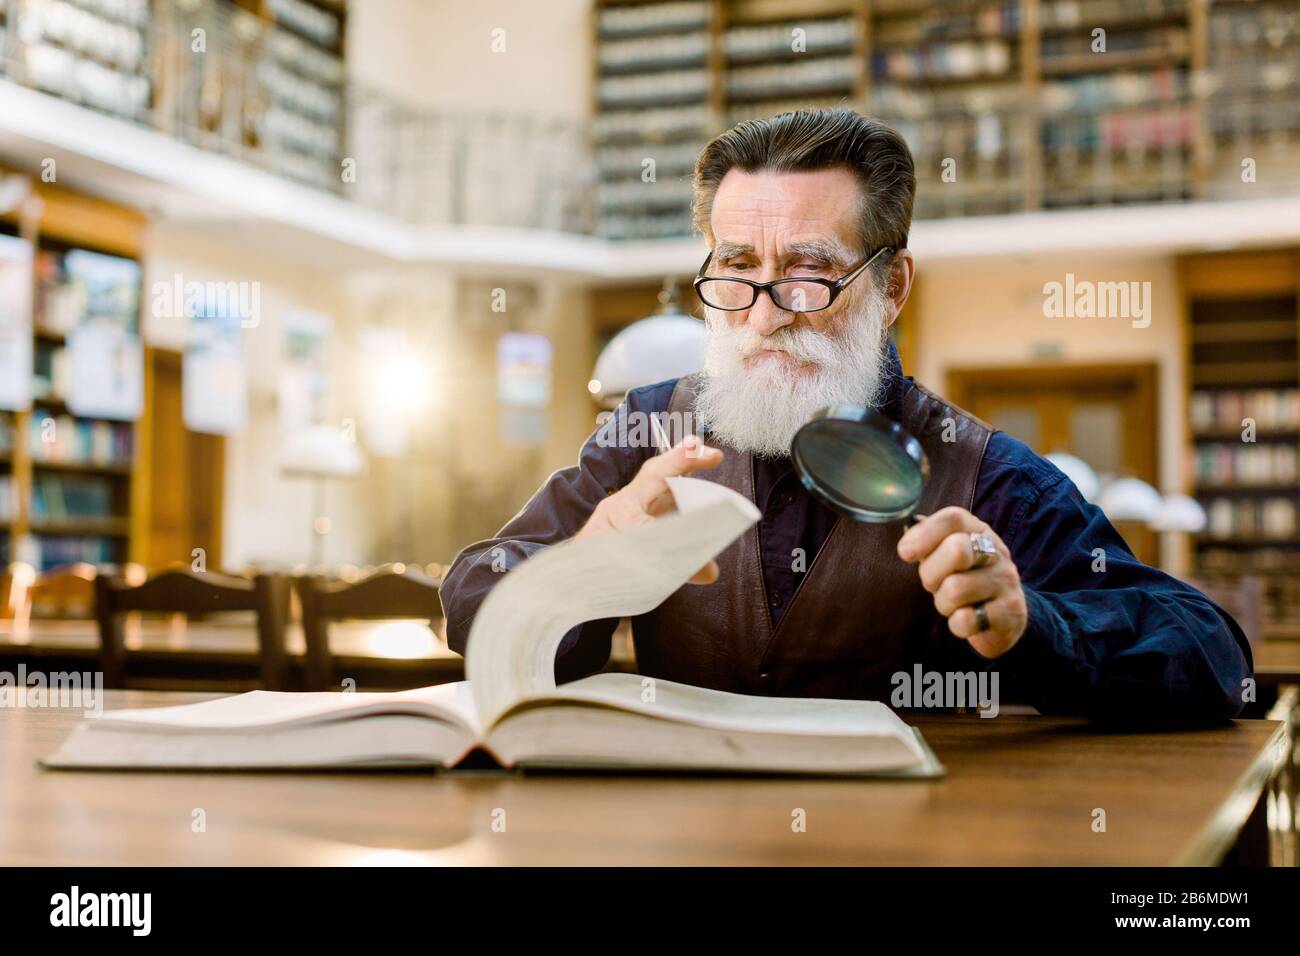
<point x="402" y="639"/>
<point x="594" y="386"/>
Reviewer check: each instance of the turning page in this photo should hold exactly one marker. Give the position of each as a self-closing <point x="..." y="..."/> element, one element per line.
<point x="517" y="631"/>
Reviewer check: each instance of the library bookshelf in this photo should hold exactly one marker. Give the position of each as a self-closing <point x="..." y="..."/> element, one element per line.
<point x="72" y="488"/>
<point x="1243" y="341"/>
<point x="1008" y="105"/>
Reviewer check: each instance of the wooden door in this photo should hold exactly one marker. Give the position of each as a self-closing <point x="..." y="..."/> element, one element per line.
<point x="185" y="474"/>
<point x="1104" y="414"/>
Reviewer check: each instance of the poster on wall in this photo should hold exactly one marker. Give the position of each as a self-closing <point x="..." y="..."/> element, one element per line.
<point x="214" y="384"/>
<point x="15" y="323"/>
<point x="524" y="387"/>
<point x="304" y="379"/>
<point x="105" y="356"/>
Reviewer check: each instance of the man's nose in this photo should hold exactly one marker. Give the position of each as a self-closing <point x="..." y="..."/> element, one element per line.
<point x="764" y="316"/>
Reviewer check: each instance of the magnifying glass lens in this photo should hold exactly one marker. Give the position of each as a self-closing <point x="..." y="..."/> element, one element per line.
<point x="859" y="469"/>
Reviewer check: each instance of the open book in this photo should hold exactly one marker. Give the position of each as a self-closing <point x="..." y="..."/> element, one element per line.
<point x="510" y="706"/>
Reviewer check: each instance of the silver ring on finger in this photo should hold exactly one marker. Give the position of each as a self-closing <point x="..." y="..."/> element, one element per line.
<point x="981" y="616"/>
<point x="983" y="551"/>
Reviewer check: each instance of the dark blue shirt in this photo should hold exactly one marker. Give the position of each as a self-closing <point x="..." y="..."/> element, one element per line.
<point x="1107" y="635"/>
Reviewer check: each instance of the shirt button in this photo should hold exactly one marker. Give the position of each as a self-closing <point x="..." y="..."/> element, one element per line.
<point x="775" y="600"/>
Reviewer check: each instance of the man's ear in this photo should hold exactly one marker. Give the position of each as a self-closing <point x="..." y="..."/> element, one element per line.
<point x="901" y="273"/>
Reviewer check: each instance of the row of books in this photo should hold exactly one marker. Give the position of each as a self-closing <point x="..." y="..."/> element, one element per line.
<point x="616" y="91"/>
<point x="652" y="124"/>
<point x="52" y="550"/>
<point x="67" y="440"/>
<point x="619" y="162"/>
<point x="635" y="193"/>
<point x="1127" y="131"/>
<point x="648" y="18"/>
<point x="1266" y="408"/>
<point x="1161" y="42"/>
<point x="313" y="21"/>
<point x="653" y="52"/>
<point x="742" y="110"/>
<point x="1072" y="14"/>
<point x="60" y="497"/>
<point x="786" y="79"/>
<point x="659" y="225"/>
<point x="1100" y="91"/>
<point x="1274" y="463"/>
<point x="966" y="59"/>
<point x="1235" y="562"/>
<point x="993" y="20"/>
<point x="91" y="53"/>
<point x="1266" y="519"/>
<point x="810" y="37"/>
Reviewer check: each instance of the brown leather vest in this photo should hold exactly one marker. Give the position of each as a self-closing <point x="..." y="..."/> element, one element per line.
<point x="859" y="613"/>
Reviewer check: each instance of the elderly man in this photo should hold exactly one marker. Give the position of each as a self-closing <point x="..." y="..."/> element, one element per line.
<point x="807" y="217"/>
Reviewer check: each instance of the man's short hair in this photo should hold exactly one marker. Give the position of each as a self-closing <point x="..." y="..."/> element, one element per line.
<point x="814" y="139"/>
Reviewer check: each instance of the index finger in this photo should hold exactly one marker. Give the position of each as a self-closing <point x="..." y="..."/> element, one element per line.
<point x="689" y="455"/>
<point x="928" y="533"/>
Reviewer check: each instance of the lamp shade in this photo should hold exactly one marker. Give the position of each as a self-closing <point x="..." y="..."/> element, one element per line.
<point x="666" y="345"/>
<point x="1179" y="513"/>
<point x="320" y="451"/>
<point x="1130" y="499"/>
<point x="1079" y="472"/>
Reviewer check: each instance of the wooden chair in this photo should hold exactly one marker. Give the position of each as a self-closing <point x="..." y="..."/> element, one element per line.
<point x="392" y="592"/>
<point x="193" y="593"/>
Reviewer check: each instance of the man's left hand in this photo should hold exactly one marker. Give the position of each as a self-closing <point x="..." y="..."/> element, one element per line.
<point x="949" y="566"/>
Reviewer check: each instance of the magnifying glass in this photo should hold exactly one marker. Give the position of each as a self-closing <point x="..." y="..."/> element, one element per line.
<point x="862" y="464"/>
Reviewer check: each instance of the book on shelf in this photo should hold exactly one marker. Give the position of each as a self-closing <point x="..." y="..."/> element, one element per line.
<point x="511" y="707"/>
<point x="63" y="439"/>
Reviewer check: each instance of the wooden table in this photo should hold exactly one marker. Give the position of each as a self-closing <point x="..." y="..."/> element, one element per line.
<point x="1020" y="790"/>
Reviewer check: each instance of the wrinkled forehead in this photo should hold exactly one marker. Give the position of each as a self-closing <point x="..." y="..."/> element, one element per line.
<point x="765" y="212"/>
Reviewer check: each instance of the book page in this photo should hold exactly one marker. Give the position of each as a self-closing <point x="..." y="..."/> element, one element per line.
<point x="721" y="710"/>
<point x="263" y="710"/>
<point x="518" y="629"/>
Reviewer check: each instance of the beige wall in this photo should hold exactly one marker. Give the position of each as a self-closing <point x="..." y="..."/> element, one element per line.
<point x="438" y="53"/>
<point x="991" y="313"/>
<point x="267" y="518"/>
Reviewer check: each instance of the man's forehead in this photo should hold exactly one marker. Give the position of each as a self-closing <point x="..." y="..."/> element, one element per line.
<point x="783" y="207"/>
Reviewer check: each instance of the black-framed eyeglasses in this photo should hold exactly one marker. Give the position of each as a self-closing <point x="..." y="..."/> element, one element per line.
<point x="790" y="295"/>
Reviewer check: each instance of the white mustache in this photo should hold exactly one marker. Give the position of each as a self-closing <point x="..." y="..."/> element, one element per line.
<point x="804" y="345"/>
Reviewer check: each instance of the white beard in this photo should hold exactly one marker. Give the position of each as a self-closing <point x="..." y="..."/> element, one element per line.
<point x="758" y="409"/>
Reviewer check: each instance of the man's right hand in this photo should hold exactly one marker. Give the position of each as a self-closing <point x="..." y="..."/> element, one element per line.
<point x="647" y="495"/>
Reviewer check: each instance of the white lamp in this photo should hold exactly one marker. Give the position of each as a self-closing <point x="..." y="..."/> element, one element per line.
<point x="1079" y="472"/>
<point x="1179" y="513"/>
<point x="1129" y="499"/>
<point x="319" y="452"/>
<point x="668" y="344"/>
